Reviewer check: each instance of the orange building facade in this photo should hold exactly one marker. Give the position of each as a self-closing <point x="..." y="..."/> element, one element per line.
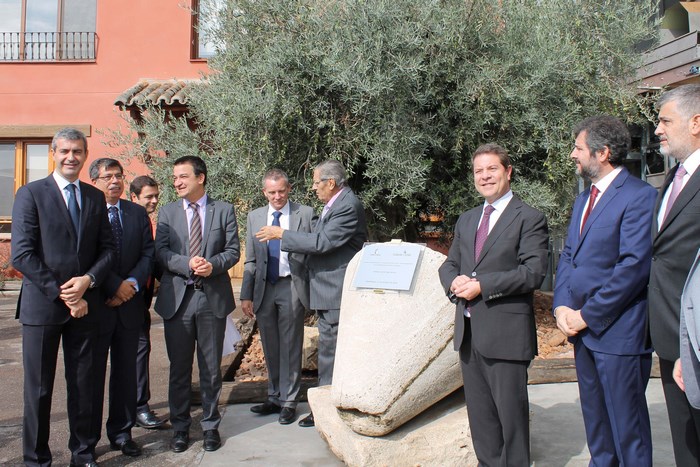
<point x="66" y="63"/>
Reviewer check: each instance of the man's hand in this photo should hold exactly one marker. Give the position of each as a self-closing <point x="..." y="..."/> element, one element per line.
<point x="678" y="374"/>
<point x="247" y="307"/>
<point x="466" y="287"/>
<point x="201" y="266"/>
<point x="125" y="292"/>
<point x="576" y="322"/>
<point x="564" y="322"/>
<point x="78" y="309"/>
<point x="114" y="301"/>
<point x="72" y="291"/>
<point x="269" y="232"/>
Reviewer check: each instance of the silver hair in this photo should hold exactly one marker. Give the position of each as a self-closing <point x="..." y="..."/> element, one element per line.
<point x="332" y="169"/>
<point x="687" y="97"/>
<point x="69" y="134"/>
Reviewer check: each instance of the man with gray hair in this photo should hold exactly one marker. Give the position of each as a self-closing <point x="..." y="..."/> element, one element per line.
<point x="675" y="240"/>
<point x="62" y="244"/>
<point x="338" y="235"/>
<point x="275" y="291"/>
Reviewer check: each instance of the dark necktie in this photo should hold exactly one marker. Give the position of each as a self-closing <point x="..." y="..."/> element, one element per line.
<point x="73" y="208"/>
<point x="195" y="238"/>
<point x="483" y="232"/>
<point x="677" y="186"/>
<point x="117" y="231"/>
<point x="591" y="202"/>
<point x="273" y="253"/>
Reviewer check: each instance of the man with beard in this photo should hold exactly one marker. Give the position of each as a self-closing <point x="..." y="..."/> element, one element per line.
<point x="600" y="295"/>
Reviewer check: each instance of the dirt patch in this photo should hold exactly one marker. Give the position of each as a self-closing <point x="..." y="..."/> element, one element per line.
<point x="551" y="343"/>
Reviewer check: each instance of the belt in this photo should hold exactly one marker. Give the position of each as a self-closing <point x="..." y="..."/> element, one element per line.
<point x="195" y="286"/>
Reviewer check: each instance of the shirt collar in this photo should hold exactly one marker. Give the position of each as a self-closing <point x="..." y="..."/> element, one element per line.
<point x="285" y="210"/>
<point x="605" y="182"/>
<point x="335" y="196"/>
<point x="692" y="162"/>
<point x="62" y="182"/>
<point x="201" y="202"/>
<point x="501" y="203"/>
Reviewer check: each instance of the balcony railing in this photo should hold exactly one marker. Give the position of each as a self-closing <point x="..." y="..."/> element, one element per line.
<point x="47" y="46"/>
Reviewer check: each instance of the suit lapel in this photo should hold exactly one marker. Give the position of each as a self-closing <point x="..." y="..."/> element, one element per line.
<point x="607" y="196"/>
<point x="209" y="217"/>
<point x="57" y="197"/>
<point x="504" y="221"/>
<point x="294" y="217"/>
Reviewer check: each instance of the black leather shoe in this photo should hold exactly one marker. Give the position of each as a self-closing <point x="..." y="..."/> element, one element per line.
<point x="128" y="447"/>
<point x="87" y="464"/>
<point x="148" y="420"/>
<point x="307" y="421"/>
<point x="212" y="440"/>
<point x="180" y="441"/>
<point x="266" y="408"/>
<point x="288" y="415"/>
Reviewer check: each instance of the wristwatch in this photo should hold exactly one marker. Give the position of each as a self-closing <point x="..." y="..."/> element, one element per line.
<point x="92" y="281"/>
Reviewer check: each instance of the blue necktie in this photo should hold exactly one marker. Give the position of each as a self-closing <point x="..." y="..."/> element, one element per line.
<point x="273" y="253"/>
<point x="73" y="208"/>
<point x="117" y="230"/>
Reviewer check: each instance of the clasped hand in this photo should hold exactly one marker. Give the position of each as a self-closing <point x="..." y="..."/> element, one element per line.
<point x="466" y="287"/>
<point x="569" y="321"/>
<point x="200" y="266"/>
<point x="125" y="292"/>
<point x="72" y="295"/>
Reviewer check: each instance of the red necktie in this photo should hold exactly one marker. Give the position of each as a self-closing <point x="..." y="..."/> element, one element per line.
<point x="591" y="202"/>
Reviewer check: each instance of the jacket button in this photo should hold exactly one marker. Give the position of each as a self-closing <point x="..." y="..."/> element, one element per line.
<point x="474" y="274"/>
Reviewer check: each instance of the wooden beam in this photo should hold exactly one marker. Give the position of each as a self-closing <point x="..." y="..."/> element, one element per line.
<point x="38" y="131"/>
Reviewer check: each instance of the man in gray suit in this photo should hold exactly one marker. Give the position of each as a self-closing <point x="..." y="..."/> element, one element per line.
<point x="196" y="244"/>
<point x="337" y="236"/>
<point x="275" y="290"/>
<point x="675" y="240"/>
<point x="686" y="371"/>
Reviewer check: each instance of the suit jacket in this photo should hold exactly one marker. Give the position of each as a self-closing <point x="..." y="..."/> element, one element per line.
<point x="332" y="244"/>
<point x="690" y="334"/>
<point x="136" y="260"/>
<point x="220" y="246"/>
<point x="512" y="265"/>
<point x="673" y="250"/>
<point x="603" y="270"/>
<point x="255" y="271"/>
<point x="48" y="252"/>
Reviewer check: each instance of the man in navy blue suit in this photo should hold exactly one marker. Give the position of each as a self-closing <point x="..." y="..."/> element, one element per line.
<point x="600" y="295"/>
<point x="62" y="244"/>
<point x="121" y="323"/>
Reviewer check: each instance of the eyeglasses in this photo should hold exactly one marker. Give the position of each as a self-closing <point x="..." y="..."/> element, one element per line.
<point x="108" y="178"/>
<point x="318" y="182"/>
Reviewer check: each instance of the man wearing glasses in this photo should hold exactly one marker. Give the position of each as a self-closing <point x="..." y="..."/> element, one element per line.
<point x="333" y="242"/>
<point x="123" y="291"/>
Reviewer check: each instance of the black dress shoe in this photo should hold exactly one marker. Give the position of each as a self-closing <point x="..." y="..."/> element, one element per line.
<point x="307" y="421"/>
<point x="87" y="464"/>
<point x="148" y="420"/>
<point x="128" y="447"/>
<point x="212" y="440"/>
<point x="288" y="415"/>
<point x="266" y="408"/>
<point x="180" y="441"/>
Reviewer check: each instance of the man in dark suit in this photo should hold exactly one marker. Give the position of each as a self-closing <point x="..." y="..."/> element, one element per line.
<point x="145" y="192"/>
<point x="62" y="244"/>
<point x="275" y="290"/>
<point x="497" y="259"/>
<point x="196" y="244"/>
<point x="123" y="290"/>
<point x="675" y="240"/>
<point x="600" y="295"/>
<point x="337" y="236"/>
